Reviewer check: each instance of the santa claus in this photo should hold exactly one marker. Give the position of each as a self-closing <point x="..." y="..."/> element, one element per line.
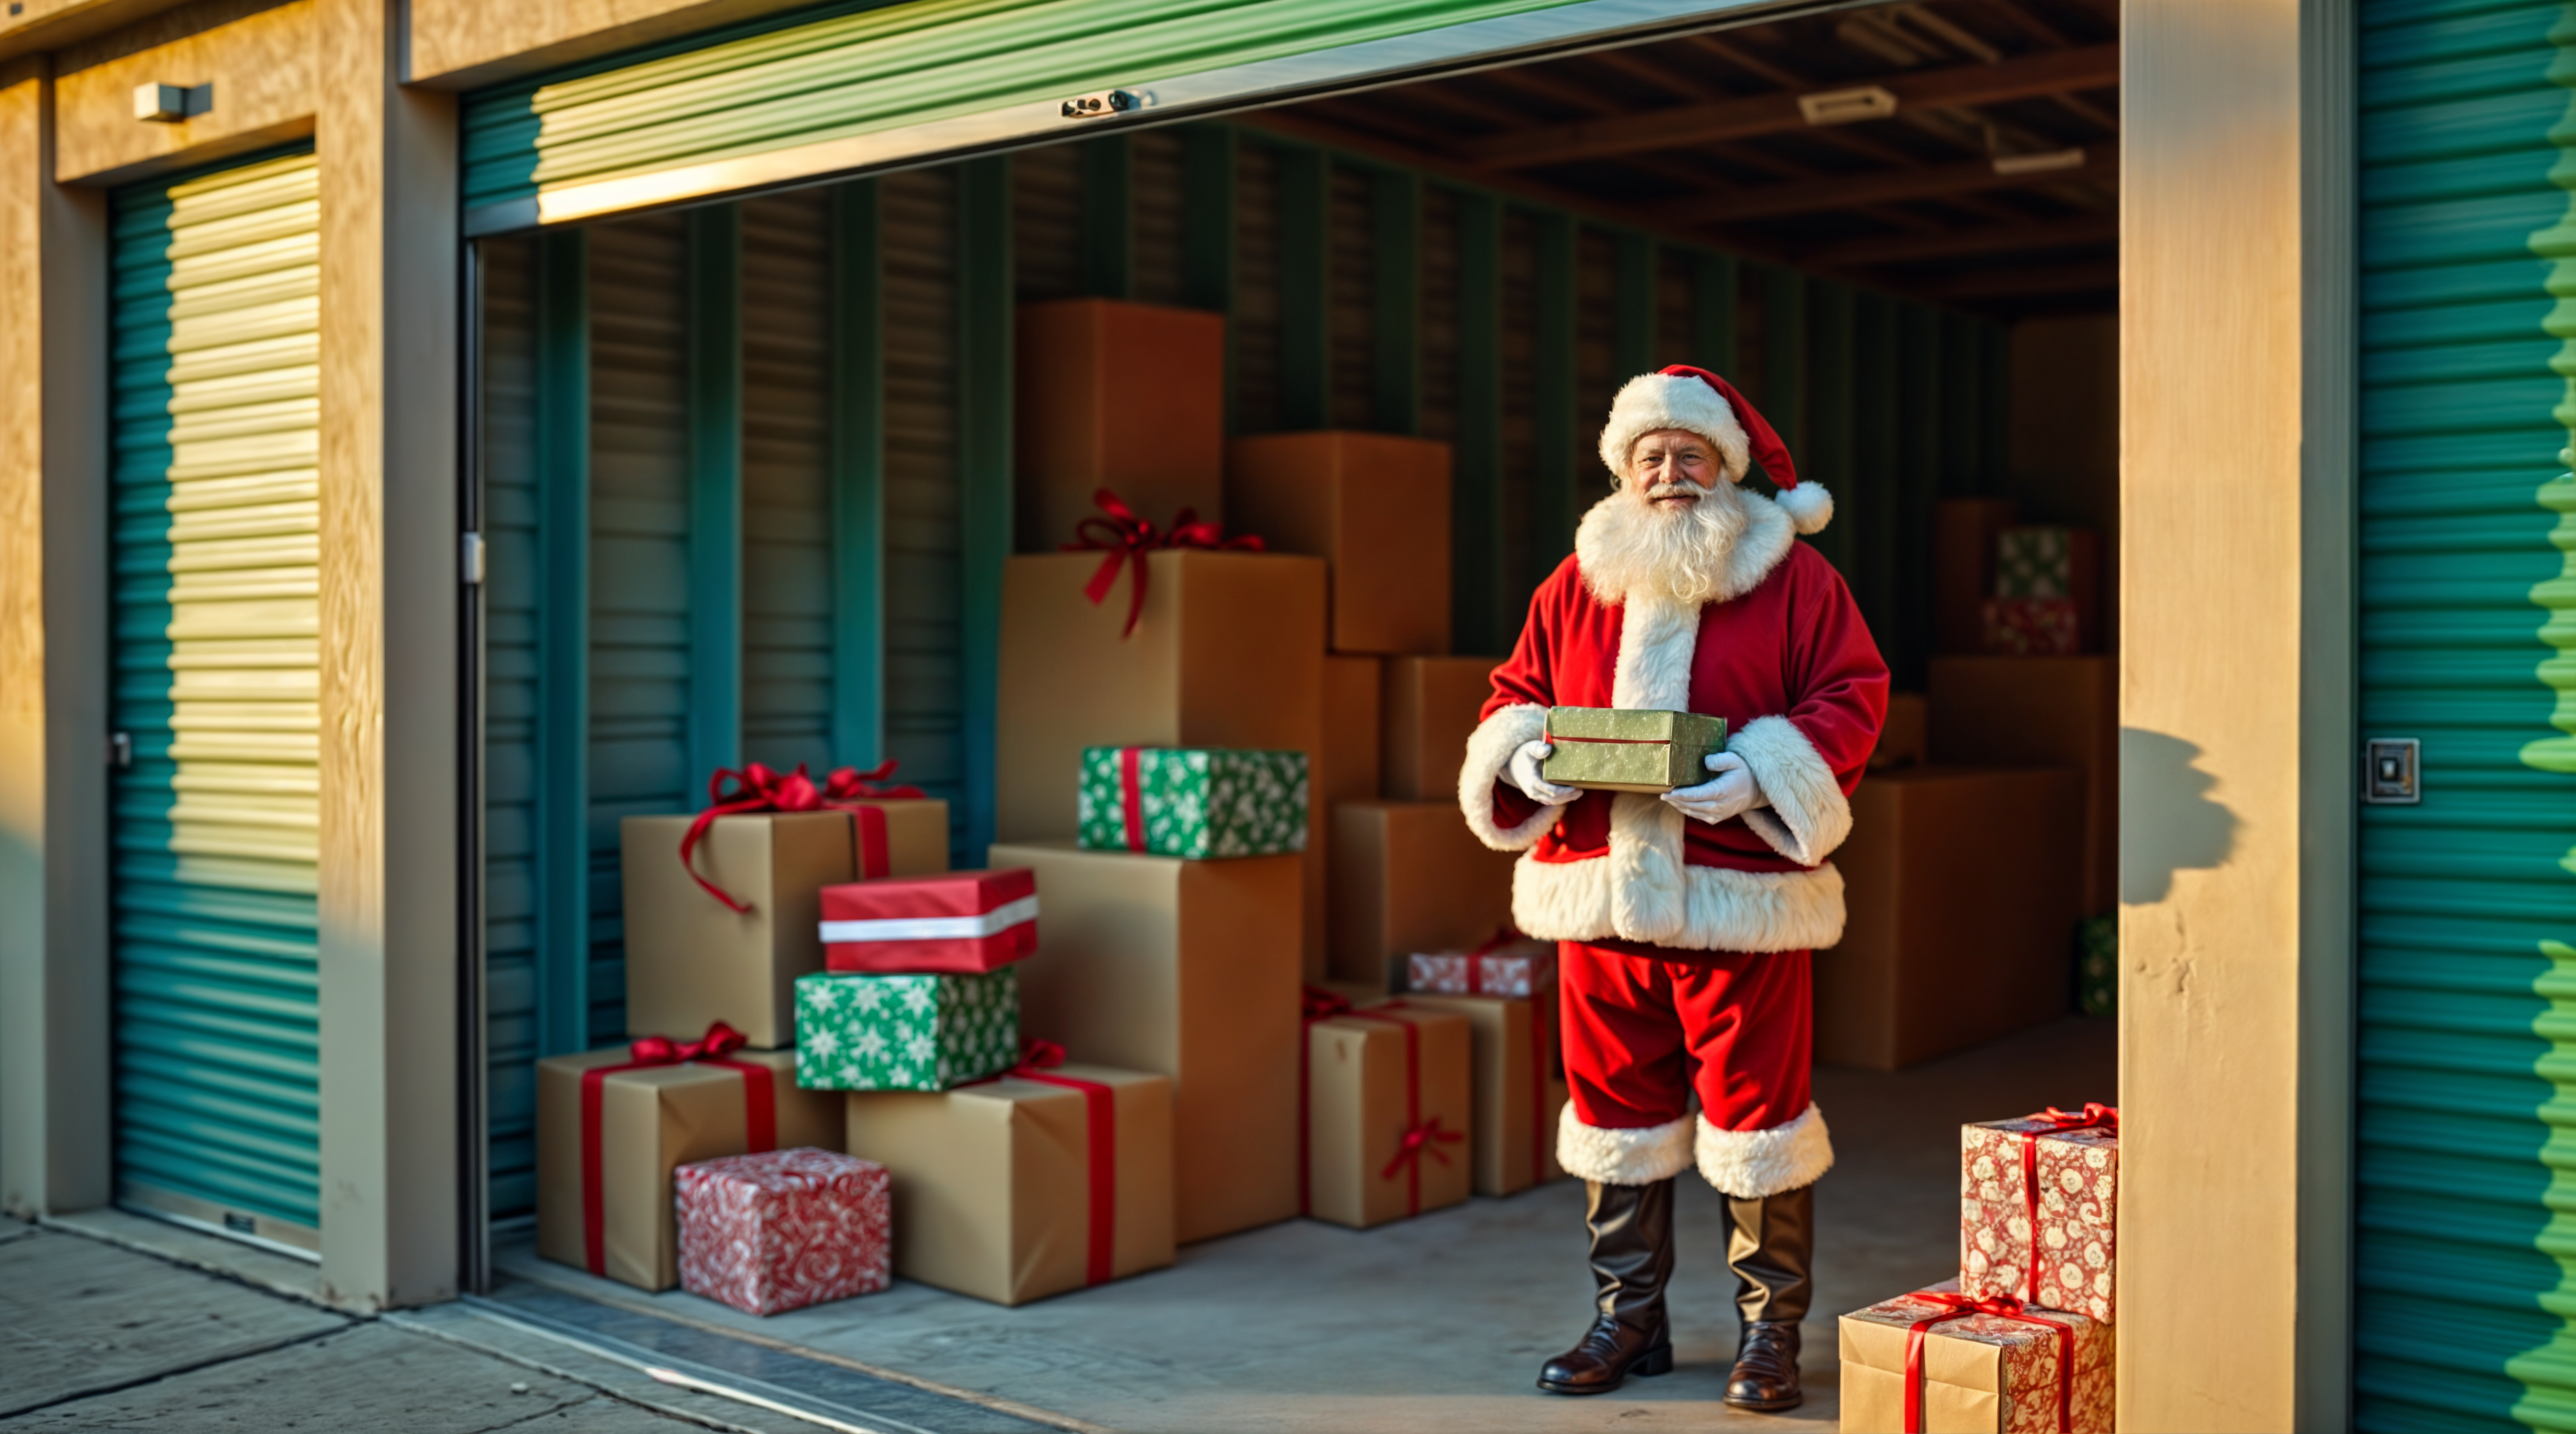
<point x="1685" y="919"/>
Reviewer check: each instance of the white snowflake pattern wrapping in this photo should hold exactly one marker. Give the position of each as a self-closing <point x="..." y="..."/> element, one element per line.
<point x="784" y="1228"/>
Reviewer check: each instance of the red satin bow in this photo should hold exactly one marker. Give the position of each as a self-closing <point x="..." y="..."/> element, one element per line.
<point x="1315" y="1003"/>
<point x="1426" y="1137"/>
<point x="720" y="1039"/>
<point x="762" y="788"/>
<point x="1127" y="538"/>
<point x="759" y="1117"/>
<point x="2094" y="1116"/>
<point x="1037" y="1055"/>
<point x="1958" y="1306"/>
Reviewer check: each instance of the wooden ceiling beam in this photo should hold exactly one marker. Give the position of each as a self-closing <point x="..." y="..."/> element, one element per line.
<point x="1883" y="186"/>
<point x="1966" y="243"/>
<point x="2022" y="77"/>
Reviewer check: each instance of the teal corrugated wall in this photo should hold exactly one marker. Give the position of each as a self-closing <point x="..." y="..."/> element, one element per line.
<point x="2463" y="1248"/>
<point x="215" y="822"/>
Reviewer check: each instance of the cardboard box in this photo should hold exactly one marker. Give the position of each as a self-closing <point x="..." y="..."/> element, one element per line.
<point x="900" y="836"/>
<point x="1345" y="769"/>
<point x="1229" y="652"/>
<point x="652" y="1119"/>
<point x="1980" y="1373"/>
<point x="2040" y="712"/>
<point x="1430" y="706"/>
<point x="690" y="960"/>
<point x="1517" y="1098"/>
<point x="957" y="922"/>
<point x="992" y="1182"/>
<point x="1961" y="885"/>
<point x="1407" y="877"/>
<point x="1370" y="1085"/>
<point x="1129" y="397"/>
<point x="1373" y="505"/>
<point x="915" y="1031"/>
<point x="1187" y="969"/>
<point x="1904" y="739"/>
<point x="1963" y="568"/>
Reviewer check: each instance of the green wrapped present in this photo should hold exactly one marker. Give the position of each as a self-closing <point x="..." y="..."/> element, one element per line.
<point x="1614" y="749"/>
<point x="872" y="1032"/>
<point x="2097" y="966"/>
<point x="2042" y="562"/>
<point x="1192" y="802"/>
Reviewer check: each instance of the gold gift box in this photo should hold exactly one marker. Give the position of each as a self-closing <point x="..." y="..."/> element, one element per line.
<point x="1613" y="749"/>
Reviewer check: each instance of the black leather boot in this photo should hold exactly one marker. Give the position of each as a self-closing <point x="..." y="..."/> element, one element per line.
<point x="1632" y="1261"/>
<point x="1772" y="1249"/>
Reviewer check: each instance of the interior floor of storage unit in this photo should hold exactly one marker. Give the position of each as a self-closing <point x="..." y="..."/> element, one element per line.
<point x="1441" y="1323"/>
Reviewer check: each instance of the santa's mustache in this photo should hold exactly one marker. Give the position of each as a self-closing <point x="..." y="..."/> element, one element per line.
<point x="1674" y="490"/>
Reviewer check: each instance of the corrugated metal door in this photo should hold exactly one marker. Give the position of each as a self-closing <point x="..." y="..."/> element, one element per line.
<point x="2468" y="905"/>
<point x="215" y="699"/>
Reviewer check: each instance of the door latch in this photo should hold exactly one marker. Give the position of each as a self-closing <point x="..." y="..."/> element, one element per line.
<point x="2391" y="772"/>
<point x="120" y="750"/>
<point x="1100" y="104"/>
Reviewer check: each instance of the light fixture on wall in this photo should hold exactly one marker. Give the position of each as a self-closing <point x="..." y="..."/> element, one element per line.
<point x="1867" y="102"/>
<point x="169" y="104"/>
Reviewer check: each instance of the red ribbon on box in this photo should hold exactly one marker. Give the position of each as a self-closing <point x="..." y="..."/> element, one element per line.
<point x="759" y="1118"/>
<point x="1420" y="1137"/>
<point x="1127" y="539"/>
<point x="761" y="788"/>
<point x="2094" y="1116"/>
<point x="1131" y="791"/>
<point x="1100" y="1127"/>
<point x="1959" y="1306"/>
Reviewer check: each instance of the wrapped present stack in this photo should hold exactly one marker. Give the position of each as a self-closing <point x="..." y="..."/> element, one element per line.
<point x="2047" y="592"/>
<point x="1506" y="989"/>
<point x="2024" y="1338"/>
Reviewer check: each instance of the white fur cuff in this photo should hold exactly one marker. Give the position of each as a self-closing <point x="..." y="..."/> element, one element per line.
<point x="1622" y="1157"/>
<point x="1750" y="1164"/>
<point x="1805" y="815"/>
<point x="1488" y="753"/>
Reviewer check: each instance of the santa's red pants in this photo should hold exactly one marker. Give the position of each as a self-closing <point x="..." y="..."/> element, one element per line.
<point x="1642" y="1034"/>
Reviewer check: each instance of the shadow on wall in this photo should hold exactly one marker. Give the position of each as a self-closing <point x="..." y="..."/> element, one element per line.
<point x="2167" y="820"/>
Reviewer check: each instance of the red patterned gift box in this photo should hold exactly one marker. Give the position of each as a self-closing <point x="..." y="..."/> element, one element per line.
<point x="1940" y="1362"/>
<point x="2038" y="1203"/>
<point x="784" y="1228"/>
<point x="2033" y="627"/>
<point x="1514" y="967"/>
<point x="956" y="923"/>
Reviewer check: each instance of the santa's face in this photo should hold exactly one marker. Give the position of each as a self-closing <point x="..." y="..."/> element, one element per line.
<point x="1672" y="469"/>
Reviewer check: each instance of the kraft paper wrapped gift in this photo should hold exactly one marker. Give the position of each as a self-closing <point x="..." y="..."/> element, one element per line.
<point x="691" y="961"/>
<point x="1407" y="877"/>
<point x="1193" y="803"/>
<point x="1345" y="769"/>
<point x="1614" y="749"/>
<point x="649" y="1119"/>
<point x="1015" y="1189"/>
<point x="1430" y="706"/>
<point x="958" y="922"/>
<point x="1963" y="567"/>
<point x="905" y="1032"/>
<point x="784" y="1229"/>
<point x="1389" y="1112"/>
<point x="1904" y="739"/>
<point x="1978" y="1373"/>
<point x="1187" y="969"/>
<point x="2039" y="712"/>
<point x="1227" y="653"/>
<point x="1119" y="395"/>
<point x="1374" y="506"/>
<point x="2054" y="1243"/>
<point x="1517" y="1097"/>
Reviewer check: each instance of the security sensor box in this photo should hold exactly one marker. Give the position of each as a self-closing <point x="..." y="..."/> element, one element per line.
<point x="1613" y="749"/>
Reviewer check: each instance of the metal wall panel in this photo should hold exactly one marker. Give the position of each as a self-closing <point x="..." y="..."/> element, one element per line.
<point x="1157" y="199"/>
<point x="216" y="688"/>
<point x="1256" y="319"/>
<point x="1351" y="297"/>
<point x="923" y="712"/>
<point x="2468" y="906"/>
<point x="1047" y="215"/>
<point x="786" y="487"/>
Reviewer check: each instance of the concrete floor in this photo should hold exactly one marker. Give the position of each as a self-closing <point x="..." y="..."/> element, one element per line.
<point x="1435" y="1324"/>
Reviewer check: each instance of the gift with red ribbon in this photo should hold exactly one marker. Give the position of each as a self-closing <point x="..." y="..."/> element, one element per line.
<point x="2038" y="1209"/>
<point x="1048" y="1177"/>
<point x="1195" y="803"/>
<point x="1124" y="539"/>
<point x="782" y="1229"/>
<point x="1939" y="1361"/>
<point x="612" y="1124"/>
<point x="1505" y="964"/>
<point x="1518" y="1095"/>
<point x="958" y="922"/>
<point x="758" y="788"/>
<point x="1386" y="1107"/>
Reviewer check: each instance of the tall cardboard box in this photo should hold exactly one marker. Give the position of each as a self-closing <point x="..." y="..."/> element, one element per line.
<point x="1229" y="652"/>
<point x="1431" y="705"/>
<point x="1129" y="397"/>
<point x="1407" y="877"/>
<point x="692" y="960"/>
<point x="1345" y="769"/>
<point x="1963" y="569"/>
<point x="1961" y="888"/>
<point x="1187" y="969"/>
<point x="2040" y="711"/>
<point x="1373" y="505"/>
<point x="1904" y="739"/>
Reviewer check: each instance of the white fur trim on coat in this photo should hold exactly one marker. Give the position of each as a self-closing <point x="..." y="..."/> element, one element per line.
<point x="1622" y="1157"/>
<point x="1808" y="505"/>
<point x="1750" y="1164"/>
<point x="1722" y="909"/>
<point x="1673" y="400"/>
<point x="1804" y="815"/>
<point x="1489" y="753"/>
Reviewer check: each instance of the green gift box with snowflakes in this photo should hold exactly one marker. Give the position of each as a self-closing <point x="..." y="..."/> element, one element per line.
<point x="925" y="1032"/>
<point x="1193" y="802"/>
<point x="2037" y="562"/>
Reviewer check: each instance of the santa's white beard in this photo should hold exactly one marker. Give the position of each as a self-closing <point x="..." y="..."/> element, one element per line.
<point x="1630" y="545"/>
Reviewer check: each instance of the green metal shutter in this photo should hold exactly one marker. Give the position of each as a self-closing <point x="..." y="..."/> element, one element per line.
<point x="2463" y="1251"/>
<point x="786" y="481"/>
<point x="216" y="614"/>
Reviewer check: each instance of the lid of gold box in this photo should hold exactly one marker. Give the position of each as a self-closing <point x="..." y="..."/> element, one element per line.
<point x="1620" y="724"/>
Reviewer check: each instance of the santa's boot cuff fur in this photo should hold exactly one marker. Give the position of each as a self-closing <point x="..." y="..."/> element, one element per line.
<point x="1623" y="1157"/>
<point x="1750" y="1164"/>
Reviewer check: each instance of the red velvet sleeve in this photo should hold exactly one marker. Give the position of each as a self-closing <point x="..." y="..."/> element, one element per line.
<point x="1836" y="670"/>
<point x="1527" y="677"/>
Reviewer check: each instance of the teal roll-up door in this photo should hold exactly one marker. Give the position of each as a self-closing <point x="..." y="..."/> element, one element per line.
<point x="2465" y="1256"/>
<point x="215" y="391"/>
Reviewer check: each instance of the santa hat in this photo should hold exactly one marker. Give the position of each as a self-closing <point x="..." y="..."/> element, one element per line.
<point x="1697" y="401"/>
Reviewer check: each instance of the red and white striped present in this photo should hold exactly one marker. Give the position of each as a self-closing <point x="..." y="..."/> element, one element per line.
<point x="783" y="1229"/>
<point x="954" y="923"/>
<point x="1518" y="968"/>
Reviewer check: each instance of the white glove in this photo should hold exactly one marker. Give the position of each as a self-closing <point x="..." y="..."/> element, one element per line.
<point x="1524" y="775"/>
<point x="1729" y="794"/>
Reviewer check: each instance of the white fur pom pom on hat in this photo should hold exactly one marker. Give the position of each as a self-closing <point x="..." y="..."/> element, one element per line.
<point x="1697" y="401"/>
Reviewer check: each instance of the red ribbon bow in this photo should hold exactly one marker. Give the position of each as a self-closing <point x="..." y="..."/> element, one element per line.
<point x="2094" y="1116"/>
<point x="1127" y="538"/>
<point x="1958" y="1306"/>
<point x="1038" y="1060"/>
<point x="720" y="1039"/>
<point x="759" y="1117"/>
<point x="1425" y="1137"/>
<point x="1316" y="1004"/>
<point x="759" y="787"/>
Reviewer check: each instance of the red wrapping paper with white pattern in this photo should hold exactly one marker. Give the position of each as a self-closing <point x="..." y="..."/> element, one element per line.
<point x="2071" y="1246"/>
<point x="784" y="1228"/>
